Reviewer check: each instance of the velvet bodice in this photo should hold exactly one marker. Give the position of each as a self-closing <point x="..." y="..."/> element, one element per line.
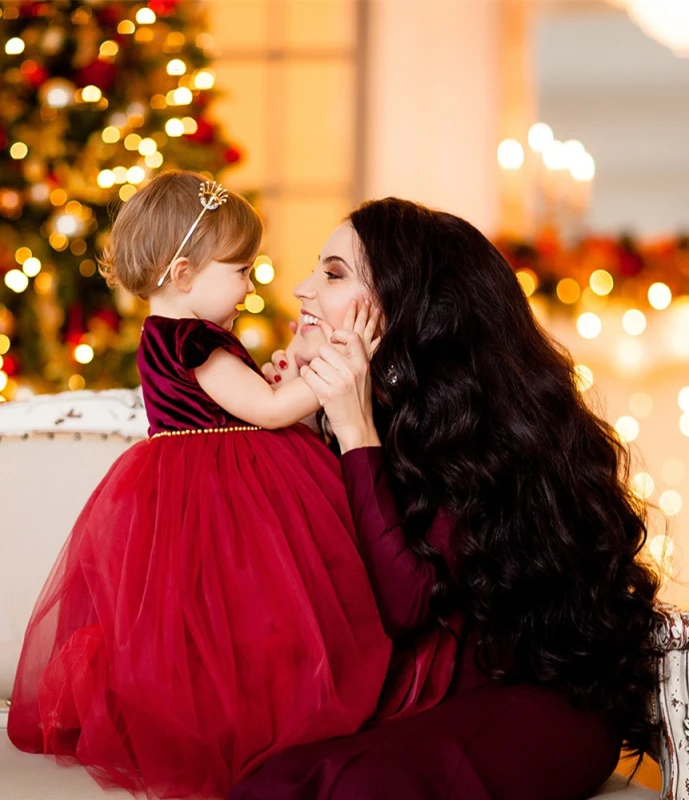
<point x="169" y="352"/>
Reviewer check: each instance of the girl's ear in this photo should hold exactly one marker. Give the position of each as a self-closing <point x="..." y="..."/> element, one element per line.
<point x="181" y="274"/>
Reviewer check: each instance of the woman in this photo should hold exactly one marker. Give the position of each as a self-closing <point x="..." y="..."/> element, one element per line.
<point x="490" y="505"/>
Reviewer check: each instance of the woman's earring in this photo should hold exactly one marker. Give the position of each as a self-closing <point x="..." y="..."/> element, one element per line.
<point x="392" y="376"/>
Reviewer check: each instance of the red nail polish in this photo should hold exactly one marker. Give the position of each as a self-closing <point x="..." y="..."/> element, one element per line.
<point x="283" y="365"/>
<point x="277" y="378"/>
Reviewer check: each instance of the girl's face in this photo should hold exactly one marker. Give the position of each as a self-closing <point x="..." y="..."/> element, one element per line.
<point x="328" y="291"/>
<point x="217" y="290"/>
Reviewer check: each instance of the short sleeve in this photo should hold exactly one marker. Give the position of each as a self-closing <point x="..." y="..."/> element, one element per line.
<point x="198" y="338"/>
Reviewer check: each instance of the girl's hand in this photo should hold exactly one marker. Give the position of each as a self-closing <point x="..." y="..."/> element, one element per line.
<point x="282" y="366"/>
<point x="341" y="379"/>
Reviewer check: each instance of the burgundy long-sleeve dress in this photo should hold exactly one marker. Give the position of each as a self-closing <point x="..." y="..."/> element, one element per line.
<point x="479" y="740"/>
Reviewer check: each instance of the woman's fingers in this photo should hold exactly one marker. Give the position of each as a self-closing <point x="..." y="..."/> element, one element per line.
<point x="317" y="385"/>
<point x="362" y="317"/>
<point x="294" y="327"/>
<point x="371" y="326"/>
<point x="350" y="317"/>
<point x="329" y="373"/>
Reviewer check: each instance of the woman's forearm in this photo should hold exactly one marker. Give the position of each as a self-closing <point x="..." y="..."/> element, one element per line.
<point x="402" y="582"/>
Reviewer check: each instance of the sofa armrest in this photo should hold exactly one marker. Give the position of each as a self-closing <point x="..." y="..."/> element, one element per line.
<point x="671" y="702"/>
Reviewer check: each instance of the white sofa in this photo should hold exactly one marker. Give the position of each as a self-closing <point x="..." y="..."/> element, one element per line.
<point x="53" y="451"/>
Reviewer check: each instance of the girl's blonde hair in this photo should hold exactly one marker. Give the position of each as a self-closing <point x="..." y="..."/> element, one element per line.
<point x="151" y="225"/>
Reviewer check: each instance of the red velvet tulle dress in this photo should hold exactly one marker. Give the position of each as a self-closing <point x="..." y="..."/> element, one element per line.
<point x="210" y="606"/>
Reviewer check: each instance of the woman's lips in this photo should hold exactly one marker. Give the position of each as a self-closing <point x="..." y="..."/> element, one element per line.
<point x="308" y="321"/>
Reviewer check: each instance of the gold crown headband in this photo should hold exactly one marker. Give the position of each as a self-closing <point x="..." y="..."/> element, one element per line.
<point x="212" y="196"/>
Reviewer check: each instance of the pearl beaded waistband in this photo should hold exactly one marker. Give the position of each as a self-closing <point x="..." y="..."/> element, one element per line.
<point x="206" y="430"/>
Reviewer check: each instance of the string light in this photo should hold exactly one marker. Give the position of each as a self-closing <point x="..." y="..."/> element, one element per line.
<point x="254" y="303"/>
<point x="601" y="282"/>
<point x="634" y="322"/>
<point x="589" y="325"/>
<point x="132" y="141"/>
<point x="14" y="46"/>
<point x="145" y="16"/>
<point x="16" y="280"/>
<point x="176" y="67"/>
<point x="264" y="272"/>
<point x="22" y="254"/>
<point x="204" y="79"/>
<point x="510" y="154"/>
<point x="147" y="146"/>
<point x="190" y="125"/>
<point x="91" y="94"/>
<point x="683" y="399"/>
<point x="684" y="424"/>
<point x="126" y="192"/>
<point x="31" y="267"/>
<point x="18" y="151"/>
<point x="659" y="296"/>
<point x="540" y="136"/>
<point x="174" y="127"/>
<point x="528" y="281"/>
<point x="670" y="502"/>
<point x="106" y="178"/>
<point x="111" y="134"/>
<point x="568" y="291"/>
<point x="83" y="353"/>
<point x="643" y="485"/>
<point x="627" y="428"/>
<point x="584" y="376"/>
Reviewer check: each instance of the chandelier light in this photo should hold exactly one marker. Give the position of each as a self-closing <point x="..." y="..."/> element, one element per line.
<point x="666" y="21"/>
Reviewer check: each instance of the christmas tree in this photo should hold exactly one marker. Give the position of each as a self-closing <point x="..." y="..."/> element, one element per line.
<point x="95" y="98"/>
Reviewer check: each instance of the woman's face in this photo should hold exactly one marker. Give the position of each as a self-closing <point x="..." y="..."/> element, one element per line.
<point x="328" y="291"/>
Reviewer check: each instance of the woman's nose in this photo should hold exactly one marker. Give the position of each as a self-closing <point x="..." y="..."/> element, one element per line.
<point x="304" y="290"/>
<point x="252" y="288"/>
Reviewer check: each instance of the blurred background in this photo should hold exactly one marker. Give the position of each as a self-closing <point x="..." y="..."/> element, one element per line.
<point x="559" y="128"/>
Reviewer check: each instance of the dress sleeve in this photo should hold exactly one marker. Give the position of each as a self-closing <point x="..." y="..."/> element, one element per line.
<point x="198" y="338"/>
<point x="402" y="581"/>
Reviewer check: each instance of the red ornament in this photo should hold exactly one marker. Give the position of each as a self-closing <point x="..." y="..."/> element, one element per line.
<point x="630" y="262"/>
<point x="74" y="329"/>
<point x="35" y="74"/>
<point x="109" y="16"/>
<point x="232" y="155"/>
<point x="108" y="316"/>
<point x="205" y="132"/>
<point x="10" y="365"/>
<point x="97" y="73"/>
<point x="4" y="141"/>
<point x="163" y="8"/>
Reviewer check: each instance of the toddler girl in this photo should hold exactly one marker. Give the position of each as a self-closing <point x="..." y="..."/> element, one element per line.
<point x="209" y="607"/>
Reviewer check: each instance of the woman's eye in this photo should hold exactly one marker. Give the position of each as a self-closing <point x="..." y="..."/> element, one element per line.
<point x="332" y="276"/>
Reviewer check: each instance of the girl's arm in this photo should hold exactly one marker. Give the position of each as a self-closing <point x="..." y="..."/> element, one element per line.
<point x="402" y="581"/>
<point x="245" y="394"/>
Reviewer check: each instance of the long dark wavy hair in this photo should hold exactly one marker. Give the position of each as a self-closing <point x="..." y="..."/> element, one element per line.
<point x="479" y="412"/>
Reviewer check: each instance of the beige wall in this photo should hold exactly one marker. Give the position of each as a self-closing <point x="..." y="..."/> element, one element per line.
<point x="336" y="101"/>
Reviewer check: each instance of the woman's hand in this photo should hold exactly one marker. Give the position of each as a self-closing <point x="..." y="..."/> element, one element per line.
<point x="341" y="379"/>
<point x="283" y="365"/>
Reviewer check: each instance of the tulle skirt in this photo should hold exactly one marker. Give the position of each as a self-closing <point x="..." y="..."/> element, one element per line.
<point x="208" y="609"/>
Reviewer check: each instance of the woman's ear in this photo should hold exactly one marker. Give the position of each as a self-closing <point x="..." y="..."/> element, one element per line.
<point x="181" y="274"/>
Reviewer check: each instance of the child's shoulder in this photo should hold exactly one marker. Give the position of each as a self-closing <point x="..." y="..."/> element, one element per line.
<point x="191" y="340"/>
